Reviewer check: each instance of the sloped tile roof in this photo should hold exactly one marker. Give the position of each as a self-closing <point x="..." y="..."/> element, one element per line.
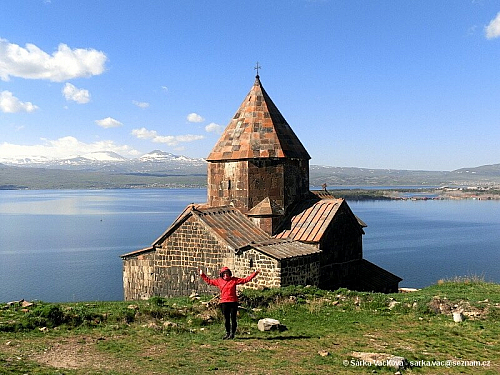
<point x="283" y="249"/>
<point x="137" y="252"/>
<point x="311" y="219"/>
<point x="232" y="226"/>
<point x="238" y="231"/>
<point x="258" y="130"/>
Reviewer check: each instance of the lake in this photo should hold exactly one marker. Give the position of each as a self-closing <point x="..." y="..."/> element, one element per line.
<point x="65" y="245"/>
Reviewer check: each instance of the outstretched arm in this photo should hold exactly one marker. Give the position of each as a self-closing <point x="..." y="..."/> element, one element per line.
<point x="206" y="278"/>
<point x="248" y="278"/>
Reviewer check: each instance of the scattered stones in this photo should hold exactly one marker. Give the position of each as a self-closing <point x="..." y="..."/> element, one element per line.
<point x="408" y="290"/>
<point x="15" y="303"/>
<point x="457" y="317"/>
<point x="444" y="306"/>
<point x="151" y="325"/>
<point x="206" y="318"/>
<point x="170" y="325"/>
<point x="324" y="353"/>
<point x="194" y="296"/>
<point x="393" y="303"/>
<point x="268" y="324"/>
<point x="133" y="307"/>
<point x="26" y="304"/>
<point x="43" y="329"/>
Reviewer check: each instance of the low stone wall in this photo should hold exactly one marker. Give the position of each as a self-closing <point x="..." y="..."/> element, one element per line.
<point x="251" y="260"/>
<point x="138" y="276"/>
<point x="304" y="270"/>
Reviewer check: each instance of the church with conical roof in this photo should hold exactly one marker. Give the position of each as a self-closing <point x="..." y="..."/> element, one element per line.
<point x="259" y="214"/>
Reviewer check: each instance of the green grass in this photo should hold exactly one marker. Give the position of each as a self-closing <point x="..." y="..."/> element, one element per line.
<point x="181" y="336"/>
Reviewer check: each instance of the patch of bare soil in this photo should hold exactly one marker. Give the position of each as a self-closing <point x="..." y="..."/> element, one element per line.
<point x="73" y="353"/>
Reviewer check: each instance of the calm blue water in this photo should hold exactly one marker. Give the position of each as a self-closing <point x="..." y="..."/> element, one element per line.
<point x="65" y="245"/>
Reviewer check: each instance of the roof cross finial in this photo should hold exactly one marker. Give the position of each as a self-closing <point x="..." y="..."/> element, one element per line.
<point x="257" y="67"/>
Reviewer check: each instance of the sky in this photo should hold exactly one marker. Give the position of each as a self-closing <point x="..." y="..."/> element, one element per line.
<point x="372" y="84"/>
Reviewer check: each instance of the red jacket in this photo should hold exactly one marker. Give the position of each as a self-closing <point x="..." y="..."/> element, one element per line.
<point x="228" y="288"/>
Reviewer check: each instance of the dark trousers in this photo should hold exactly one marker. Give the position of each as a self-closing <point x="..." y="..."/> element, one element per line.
<point x="229" y="310"/>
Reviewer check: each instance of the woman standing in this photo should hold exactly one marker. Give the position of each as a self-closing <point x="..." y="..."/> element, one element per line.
<point x="228" y="298"/>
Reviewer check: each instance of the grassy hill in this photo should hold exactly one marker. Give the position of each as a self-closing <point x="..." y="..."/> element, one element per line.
<point x="327" y="333"/>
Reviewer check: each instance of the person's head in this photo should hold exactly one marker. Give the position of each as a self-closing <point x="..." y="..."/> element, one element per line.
<point x="225" y="273"/>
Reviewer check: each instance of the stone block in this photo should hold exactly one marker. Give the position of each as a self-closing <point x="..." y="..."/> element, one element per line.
<point x="269" y="324"/>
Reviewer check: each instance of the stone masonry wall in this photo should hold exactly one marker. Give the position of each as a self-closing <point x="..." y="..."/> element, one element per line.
<point x="228" y="183"/>
<point x="296" y="180"/>
<point x="304" y="270"/>
<point x="178" y="258"/>
<point x="334" y="276"/>
<point x="251" y="260"/>
<point x="245" y="183"/>
<point x="138" y="276"/>
<point x="342" y="241"/>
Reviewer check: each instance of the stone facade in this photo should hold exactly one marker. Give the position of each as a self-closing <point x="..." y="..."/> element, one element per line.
<point x="301" y="271"/>
<point x="139" y="276"/>
<point x="245" y="183"/>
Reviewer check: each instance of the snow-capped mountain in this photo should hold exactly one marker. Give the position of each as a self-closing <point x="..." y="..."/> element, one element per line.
<point x="108" y="161"/>
<point x="104" y="156"/>
<point x="162" y="156"/>
<point x="21" y="161"/>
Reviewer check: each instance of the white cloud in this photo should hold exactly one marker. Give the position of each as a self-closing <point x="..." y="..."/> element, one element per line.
<point x="164" y="88"/>
<point x="214" y="128"/>
<point x="140" y="104"/>
<point x="80" y="96"/>
<point x="493" y="29"/>
<point x="170" y="140"/>
<point x="108" y="122"/>
<point x="10" y="104"/>
<point x="64" y="64"/>
<point x="194" y="117"/>
<point x="65" y="147"/>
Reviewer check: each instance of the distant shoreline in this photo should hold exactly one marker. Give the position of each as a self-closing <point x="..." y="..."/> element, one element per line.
<point x="349" y="193"/>
<point x="419" y="194"/>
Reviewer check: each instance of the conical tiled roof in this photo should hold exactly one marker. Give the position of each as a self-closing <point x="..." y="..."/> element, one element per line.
<point x="267" y="207"/>
<point x="258" y="130"/>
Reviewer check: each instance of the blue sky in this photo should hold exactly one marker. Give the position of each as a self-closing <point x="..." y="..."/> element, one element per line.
<point x="374" y="84"/>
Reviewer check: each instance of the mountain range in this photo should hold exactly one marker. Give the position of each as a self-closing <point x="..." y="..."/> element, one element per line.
<point x="159" y="169"/>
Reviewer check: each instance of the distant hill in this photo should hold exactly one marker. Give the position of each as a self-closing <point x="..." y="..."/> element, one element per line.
<point x="492" y="170"/>
<point x="159" y="169"/>
<point x="488" y="174"/>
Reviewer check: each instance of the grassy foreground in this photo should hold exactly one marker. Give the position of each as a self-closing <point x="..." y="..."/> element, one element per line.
<point x="326" y="332"/>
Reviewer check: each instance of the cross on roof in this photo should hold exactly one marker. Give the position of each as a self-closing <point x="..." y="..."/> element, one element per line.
<point x="257" y="67"/>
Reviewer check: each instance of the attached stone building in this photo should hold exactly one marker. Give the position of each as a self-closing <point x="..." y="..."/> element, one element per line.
<point x="260" y="214"/>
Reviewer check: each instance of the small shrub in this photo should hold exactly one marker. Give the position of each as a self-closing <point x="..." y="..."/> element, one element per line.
<point x="158" y="301"/>
<point x="44" y="316"/>
<point x="128" y="315"/>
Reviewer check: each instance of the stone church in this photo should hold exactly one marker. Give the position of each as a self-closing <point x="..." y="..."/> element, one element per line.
<point x="259" y="214"/>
